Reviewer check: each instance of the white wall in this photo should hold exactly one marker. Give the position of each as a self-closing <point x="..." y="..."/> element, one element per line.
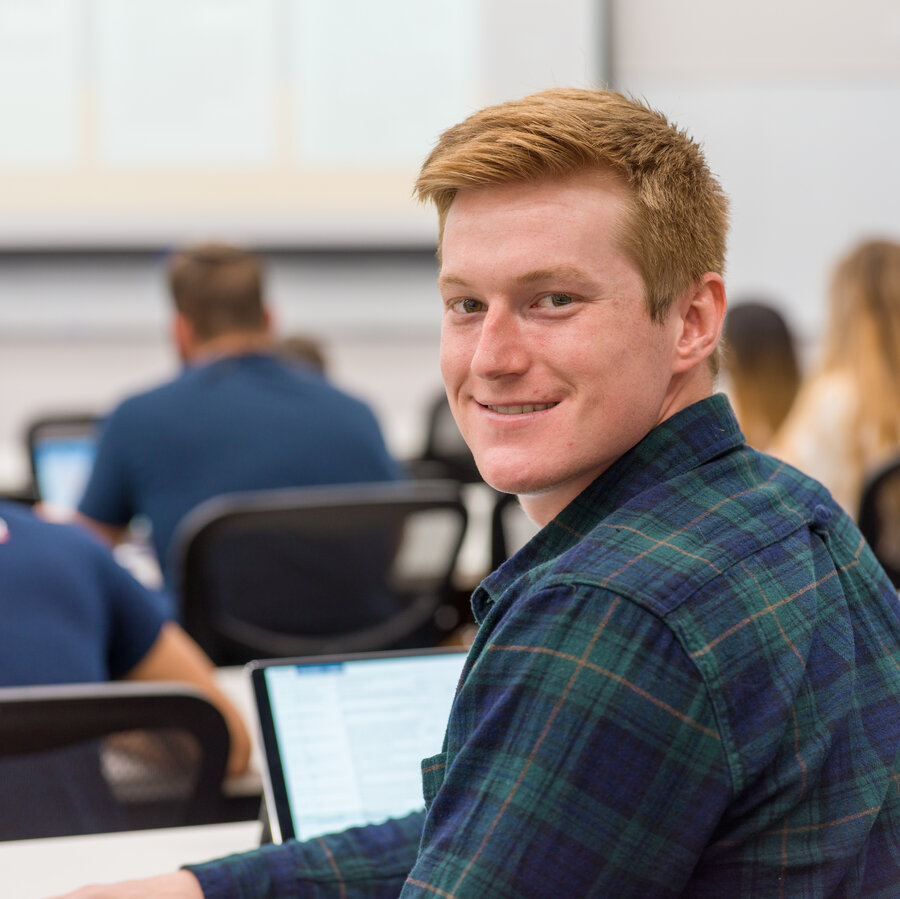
<point x="796" y="103"/>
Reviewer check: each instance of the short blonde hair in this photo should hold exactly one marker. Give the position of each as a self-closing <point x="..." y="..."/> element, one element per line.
<point x="679" y="221"/>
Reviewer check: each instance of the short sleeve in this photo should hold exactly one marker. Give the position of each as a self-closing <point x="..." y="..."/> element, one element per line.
<point x="108" y="496"/>
<point x="136" y="615"/>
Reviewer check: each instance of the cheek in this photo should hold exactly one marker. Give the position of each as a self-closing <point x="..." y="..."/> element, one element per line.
<point x="454" y="359"/>
<point x="447" y="368"/>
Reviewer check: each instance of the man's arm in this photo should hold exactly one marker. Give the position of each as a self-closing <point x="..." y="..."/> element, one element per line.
<point x="583" y="758"/>
<point x="179" y="885"/>
<point x="110" y="534"/>
<point x="360" y="863"/>
<point x="174" y="656"/>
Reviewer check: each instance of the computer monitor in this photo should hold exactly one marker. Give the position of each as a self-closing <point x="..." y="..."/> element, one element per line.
<point x="61" y="450"/>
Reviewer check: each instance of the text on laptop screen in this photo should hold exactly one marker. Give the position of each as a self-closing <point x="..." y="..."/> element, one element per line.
<point x="352" y="735"/>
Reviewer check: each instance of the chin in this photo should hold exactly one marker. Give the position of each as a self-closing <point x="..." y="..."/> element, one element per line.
<point x="505" y="480"/>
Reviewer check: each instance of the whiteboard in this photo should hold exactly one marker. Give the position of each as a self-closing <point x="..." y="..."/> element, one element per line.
<point x="153" y="122"/>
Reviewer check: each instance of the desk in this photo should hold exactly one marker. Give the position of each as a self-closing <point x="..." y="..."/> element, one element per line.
<point x="35" y="869"/>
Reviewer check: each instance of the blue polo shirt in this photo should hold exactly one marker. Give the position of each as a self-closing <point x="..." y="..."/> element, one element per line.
<point x="71" y="613"/>
<point x="248" y="422"/>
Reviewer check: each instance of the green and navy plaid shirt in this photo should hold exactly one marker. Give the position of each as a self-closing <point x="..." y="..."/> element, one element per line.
<point x="688" y="684"/>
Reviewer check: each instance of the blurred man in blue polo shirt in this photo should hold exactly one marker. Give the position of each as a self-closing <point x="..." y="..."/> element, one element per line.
<point x="238" y="417"/>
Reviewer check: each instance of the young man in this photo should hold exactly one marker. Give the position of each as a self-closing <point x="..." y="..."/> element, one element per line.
<point x="686" y="683"/>
<point x="237" y="418"/>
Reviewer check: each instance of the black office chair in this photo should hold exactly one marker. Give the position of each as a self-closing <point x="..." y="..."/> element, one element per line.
<point x="312" y="570"/>
<point x="511" y="528"/>
<point x="95" y="758"/>
<point x="879" y="517"/>
<point x="445" y="454"/>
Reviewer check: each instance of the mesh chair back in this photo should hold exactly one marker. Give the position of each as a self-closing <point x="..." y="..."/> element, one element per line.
<point x="879" y="517"/>
<point x="95" y="758"/>
<point x="304" y="571"/>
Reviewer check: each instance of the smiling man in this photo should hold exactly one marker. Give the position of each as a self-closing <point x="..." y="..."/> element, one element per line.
<point x="686" y="683"/>
<point x="528" y="272"/>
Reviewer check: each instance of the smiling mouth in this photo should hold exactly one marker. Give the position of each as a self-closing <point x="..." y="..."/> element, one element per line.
<point x="520" y="410"/>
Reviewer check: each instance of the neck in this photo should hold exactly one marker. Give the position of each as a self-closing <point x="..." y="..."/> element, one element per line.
<point x="684" y="391"/>
<point x="229" y="345"/>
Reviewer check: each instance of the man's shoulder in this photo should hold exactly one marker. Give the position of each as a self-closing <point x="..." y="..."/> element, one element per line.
<point x="673" y="538"/>
<point x="157" y="395"/>
<point x="30" y="536"/>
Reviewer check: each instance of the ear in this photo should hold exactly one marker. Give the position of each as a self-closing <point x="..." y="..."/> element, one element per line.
<point x="183" y="337"/>
<point x="701" y="312"/>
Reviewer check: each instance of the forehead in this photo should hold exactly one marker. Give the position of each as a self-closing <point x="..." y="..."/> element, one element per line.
<point x="576" y="220"/>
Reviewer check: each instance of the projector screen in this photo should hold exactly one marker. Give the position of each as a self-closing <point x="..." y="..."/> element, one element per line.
<point x="282" y="122"/>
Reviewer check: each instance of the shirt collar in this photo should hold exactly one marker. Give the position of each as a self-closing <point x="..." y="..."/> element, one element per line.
<point x="688" y="439"/>
<point x="226" y="360"/>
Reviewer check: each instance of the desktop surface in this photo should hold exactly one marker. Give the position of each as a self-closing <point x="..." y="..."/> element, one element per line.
<point x="35" y="869"/>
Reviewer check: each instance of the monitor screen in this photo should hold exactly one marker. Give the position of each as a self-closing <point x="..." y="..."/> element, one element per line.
<point x="62" y="465"/>
<point x="345" y="739"/>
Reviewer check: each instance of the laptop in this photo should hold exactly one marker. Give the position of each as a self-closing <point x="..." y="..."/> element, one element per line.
<point x="61" y="452"/>
<point x="343" y="737"/>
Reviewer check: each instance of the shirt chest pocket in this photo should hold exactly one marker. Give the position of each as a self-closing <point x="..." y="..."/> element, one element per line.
<point x="433" y="769"/>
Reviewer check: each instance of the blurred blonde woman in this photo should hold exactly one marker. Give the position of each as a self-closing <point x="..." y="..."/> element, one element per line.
<point x="760" y="367"/>
<point x="846" y="420"/>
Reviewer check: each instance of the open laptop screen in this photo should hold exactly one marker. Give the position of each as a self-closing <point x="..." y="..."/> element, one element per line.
<point x="344" y="737"/>
<point x="62" y="463"/>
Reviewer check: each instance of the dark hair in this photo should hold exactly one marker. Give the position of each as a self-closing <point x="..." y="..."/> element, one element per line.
<point x="761" y="360"/>
<point x="302" y="349"/>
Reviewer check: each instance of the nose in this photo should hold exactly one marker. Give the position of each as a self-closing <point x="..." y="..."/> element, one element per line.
<point x="501" y="349"/>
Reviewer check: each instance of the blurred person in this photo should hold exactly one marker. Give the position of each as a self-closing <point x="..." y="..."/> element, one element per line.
<point x="760" y="362"/>
<point x="303" y="349"/>
<point x="72" y="614"/>
<point x="845" y="422"/>
<point x="685" y="684"/>
<point x="236" y="418"/>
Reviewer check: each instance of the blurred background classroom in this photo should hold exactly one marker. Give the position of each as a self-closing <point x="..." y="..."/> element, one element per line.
<point x="296" y="126"/>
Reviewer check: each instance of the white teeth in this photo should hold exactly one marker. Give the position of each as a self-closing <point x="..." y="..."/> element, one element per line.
<point x="519" y="410"/>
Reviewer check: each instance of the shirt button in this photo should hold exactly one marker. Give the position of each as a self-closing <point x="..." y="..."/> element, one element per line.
<point x="821" y="518"/>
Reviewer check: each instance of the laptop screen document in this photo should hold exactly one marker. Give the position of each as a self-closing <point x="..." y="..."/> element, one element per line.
<point x="344" y="737"/>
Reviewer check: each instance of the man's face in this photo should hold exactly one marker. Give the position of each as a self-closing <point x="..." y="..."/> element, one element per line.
<point x="552" y="365"/>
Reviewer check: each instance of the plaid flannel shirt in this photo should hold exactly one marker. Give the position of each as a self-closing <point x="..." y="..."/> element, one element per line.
<point x="687" y="684"/>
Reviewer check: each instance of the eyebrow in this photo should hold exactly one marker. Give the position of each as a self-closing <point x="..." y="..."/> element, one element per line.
<point x="452" y="280"/>
<point x="552" y="273"/>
